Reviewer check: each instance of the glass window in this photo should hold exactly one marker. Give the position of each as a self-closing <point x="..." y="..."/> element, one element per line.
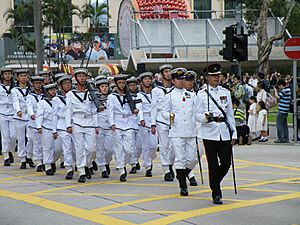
<point x="24" y="16"/>
<point x="229" y="5"/>
<point x="201" y="7"/>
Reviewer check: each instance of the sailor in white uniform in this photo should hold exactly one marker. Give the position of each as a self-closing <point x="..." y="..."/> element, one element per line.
<point x="180" y="107"/>
<point x="7" y="127"/>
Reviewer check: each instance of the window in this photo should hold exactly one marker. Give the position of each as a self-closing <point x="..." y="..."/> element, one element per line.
<point x="229" y="5"/>
<point x="201" y="6"/>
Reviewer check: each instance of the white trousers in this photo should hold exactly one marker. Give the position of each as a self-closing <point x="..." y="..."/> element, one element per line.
<point x="104" y="148"/>
<point x="149" y="145"/>
<point x="167" y="155"/>
<point x="48" y="148"/>
<point x="122" y="148"/>
<point x="85" y="145"/>
<point x="185" y="152"/>
<point x="23" y="151"/>
<point x="136" y="149"/>
<point x="35" y="142"/>
<point x="67" y="145"/>
<point x="8" y="137"/>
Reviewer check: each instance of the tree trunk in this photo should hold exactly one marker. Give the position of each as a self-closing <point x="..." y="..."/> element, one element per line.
<point x="38" y="34"/>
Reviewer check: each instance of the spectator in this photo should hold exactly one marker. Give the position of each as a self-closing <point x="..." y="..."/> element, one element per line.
<point x="75" y="52"/>
<point x="261" y="94"/>
<point x="262" y="121"/>
<point x="96" y="53"/>
<point x="266" y="84"/>
<point x="252" y="118"/>
<point x="253" y="81"/>
<point x="238" y="91"/>
<point x="284" y="100"/>
<point x="224" y="81"/>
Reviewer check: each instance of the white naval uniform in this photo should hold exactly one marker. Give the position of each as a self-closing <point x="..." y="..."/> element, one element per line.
<point x="34" y="138"/>
<point x="215" y="131"/>
<point x="66" y="139"/>
<point x="183" y="131"/>
<point x="19" y="103"/>
<point x="7" y="127"/>
<point x="119" y="114"/>
<point x="158" y="100"/>
<point x="104" y="140"/>
<point x="149" y="140"/>
<point x="81" y="115"/>
<point x="44" y="120"/>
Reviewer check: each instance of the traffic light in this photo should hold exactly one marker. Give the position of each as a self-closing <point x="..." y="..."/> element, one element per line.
<point x="240" y="47"/>
<point x="228" y="43"/>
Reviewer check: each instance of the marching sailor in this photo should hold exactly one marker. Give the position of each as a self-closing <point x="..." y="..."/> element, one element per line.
<point x="149" y="140"/>
<point x="161" y="124"/>
<point x="7" y="127"/>
<point x="33" y="135"/>
<point x="180" y="107"/>
<point x="82" y="122"/>
<point x="215" y="113"/>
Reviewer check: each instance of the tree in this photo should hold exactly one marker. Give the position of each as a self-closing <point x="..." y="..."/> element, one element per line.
<point x="38" y="34"/>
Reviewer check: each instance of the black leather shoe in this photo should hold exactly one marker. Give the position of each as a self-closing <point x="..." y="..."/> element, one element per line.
<point x="217" y="200"/>
<point x="82" y="179"/>
<point x="138" y="166"/>
<point x="168" y="177"/>
<point x="193" y="181"/>
<point x="133" y="170"/>
<point x="39" y="168"/>
<point x="95" y="166"/>
<point x="69" y="175"/>
<point x="49" y="172"/>
<point x="184" y="192"/>
<point x="91" y="171"/>
<point x="107" y="168"/>
<point x="7" y="162"/>
<point x="23" y="165"/>
<point x="11" y="157"/>
<point x="105" y="174"/>
<point x="30" y="162"/>
<point x="123" y="177"/>
<point x="172" y="171"/>
<point x="87" y="173"/>
<point x="62" y="165"/>
<point x="149" y="173"/>
<point x="53" y="167"/>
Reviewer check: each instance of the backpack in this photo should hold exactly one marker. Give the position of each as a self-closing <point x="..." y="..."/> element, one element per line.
<point x="271" y="101"/>
<point x="247" y="95"/>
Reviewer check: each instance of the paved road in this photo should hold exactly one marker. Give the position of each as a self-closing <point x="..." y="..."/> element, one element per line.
<point x="268" y="179"/>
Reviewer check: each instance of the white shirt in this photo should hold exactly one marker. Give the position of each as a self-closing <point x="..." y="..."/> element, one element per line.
<point x="32" y="101"/>
<point x="6" y="103"/>
<point x="19" y="102"/>
<point x="145" y="110"/>
<point x="45" y="114"/>
<point x="95" y="55"/>
<point x="215" y="130"/>
<point x="59" y="117"/>
<point x="183" y="104"/>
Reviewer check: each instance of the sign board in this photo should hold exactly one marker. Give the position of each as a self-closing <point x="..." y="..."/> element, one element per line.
<point x="292" y="48"/>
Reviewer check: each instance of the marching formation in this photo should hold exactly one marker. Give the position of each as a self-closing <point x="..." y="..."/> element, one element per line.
<point x="86" y="123"/>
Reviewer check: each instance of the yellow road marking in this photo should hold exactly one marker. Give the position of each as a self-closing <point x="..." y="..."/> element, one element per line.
<point x="267" y="190"/>
<point x="214" y="209"/>
<point x="141" y="212"/>
<point x="94" y="194"/>
<point x="209" y="199"/>
<point x="63" y="208"/>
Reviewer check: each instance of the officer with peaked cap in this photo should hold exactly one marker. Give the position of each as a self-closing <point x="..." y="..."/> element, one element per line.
<point x="82" y="122"/>
<point x="34" y="139"/>
<point x="7" y="128"/>
<point x="160" y="124"/>
<point x="215" y="127"/>
<point x="180" y="107"/>
<point x="149" y="140"/>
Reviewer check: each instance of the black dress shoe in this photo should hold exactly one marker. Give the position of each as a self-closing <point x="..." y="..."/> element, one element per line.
<point x="82" y="179"/>
<point x="49" y="172"/>
<point x="39" y="168"/>
<point x="184" y="192"/>
<point x="53" y="167"/>
<point x="30" y="162"/>
<point x="7" y="162"/>
<point x="138" y="166"/>
<point x="23" y="165"/>
<point x="133" y="170"/>
<point x="11" y="157"/>
<point x="69" y="175"/>
<point x="168" y="177"/>
<point x="95" y="166"/>
<point x="75" y="168"/>
<point x="105" y="174"/>
<point x="149" y="173"/>
<point x="87" y="173"/>
<point x="123" y="177"/>
<point x="62" y="165"/>
<point x="172" y="171"/>
<point x="193" y="181"/>
<point x="107" y="168"/>
<point x="217" y="200"/>
<point x="91" y="171"/>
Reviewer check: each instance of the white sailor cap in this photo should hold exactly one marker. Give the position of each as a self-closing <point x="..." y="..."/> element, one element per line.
<point x="64" y="78"/>
<point x="37" y="78"/>
<point x="91" y="81"/>
<point x="101" y="81"/>
<point x="5" y="69"/>
<point x="190" y="75"/>
<point x="100" y="77"/>
<point x="80" y="71"/>
<point x="165" y="66"/>
<point x="132" y="80"/>
<point x="49" y="86"/>
<point x="58" y="75"/>
<point x="120" y="77"/>
<point x="145" y="74"/>
<point x="20" y="71"/>
<point x="43" y="73"/>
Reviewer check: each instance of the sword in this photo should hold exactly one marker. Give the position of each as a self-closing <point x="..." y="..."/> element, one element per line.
<point x="199" y="161"/>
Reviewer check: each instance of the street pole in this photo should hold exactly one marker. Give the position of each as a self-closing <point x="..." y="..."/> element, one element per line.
<point x="38" y="34"/>
<point x="295" y="99"/>
<point x="239" y="31"/>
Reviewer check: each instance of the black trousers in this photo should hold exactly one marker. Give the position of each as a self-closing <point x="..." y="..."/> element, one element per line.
<point x="218" y="155"/>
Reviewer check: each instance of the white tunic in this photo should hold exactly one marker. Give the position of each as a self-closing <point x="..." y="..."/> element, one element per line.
<point x="19" y="102"/>
<point x="31" y="102"/>
<point x="145" y="110"/>
<point x="59" y="118"/>
<point x="45" y="114"/>
<point x="6" y="103"/>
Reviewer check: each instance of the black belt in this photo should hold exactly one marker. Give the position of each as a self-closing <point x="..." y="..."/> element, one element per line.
<point x="219" y="119"/>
